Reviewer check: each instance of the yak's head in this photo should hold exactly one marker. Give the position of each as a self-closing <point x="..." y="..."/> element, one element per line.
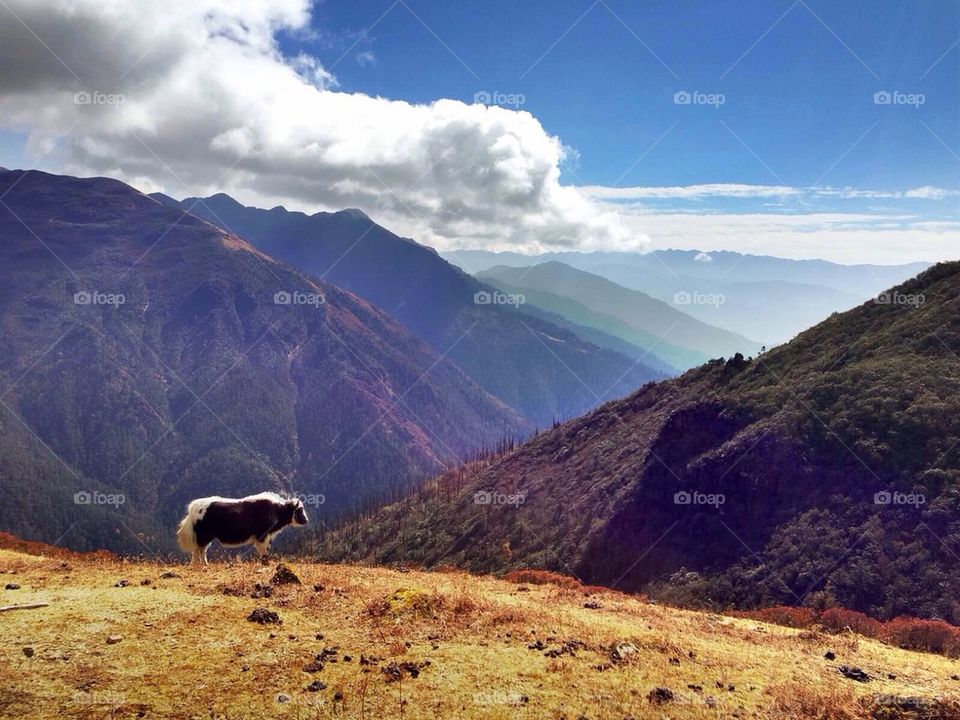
<point x="299" y="516"/>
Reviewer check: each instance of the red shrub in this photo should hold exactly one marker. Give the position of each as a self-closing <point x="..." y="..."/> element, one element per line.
<point x="909" y="633"/>
<point x="840" y="619"/>
<point x="541" y="577"/>
<point x="795" y="617"/>
<point x="929" y="635"/>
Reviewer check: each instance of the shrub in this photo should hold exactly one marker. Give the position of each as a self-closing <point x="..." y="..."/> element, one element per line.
<point x="407" y="601"/>
<point x="836" y="620"/>
<point x="930" y="635"/>
<point x="542" y="577"/>
<point x="795" y="617"/>
<point x="909" y="633"/>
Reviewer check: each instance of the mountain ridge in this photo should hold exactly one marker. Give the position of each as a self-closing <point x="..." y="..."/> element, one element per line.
<point x="793" y="294"/>
<point x="545" y="371"/>
<point x="153" y="355"/>
<point x="634" y="316"/>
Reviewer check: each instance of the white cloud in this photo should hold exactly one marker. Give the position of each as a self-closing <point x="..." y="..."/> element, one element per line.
<point x="846" y="225"/>
<point x="688" y="191"/>
<point x="737" y="190"/>
<point x="210" y="104"/>
<point x="848" y="238"/>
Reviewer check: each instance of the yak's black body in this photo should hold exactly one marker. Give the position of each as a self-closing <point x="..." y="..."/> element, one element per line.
<point x="253" y="520"/>
<point x="236" y="523"/>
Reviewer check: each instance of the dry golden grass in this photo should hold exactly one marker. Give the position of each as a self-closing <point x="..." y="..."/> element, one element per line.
<point x="188" y="650"/>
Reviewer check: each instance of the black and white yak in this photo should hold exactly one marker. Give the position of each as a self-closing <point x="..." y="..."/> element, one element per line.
<point x="254" y="520"/>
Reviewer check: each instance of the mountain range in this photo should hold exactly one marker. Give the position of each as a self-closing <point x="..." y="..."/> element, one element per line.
<point x="538" y="364"/>
<point x="825" y="471"/>
<point x="767" y="299"/>
<point x="630" y="315"/>
<point x="150" y="357"/>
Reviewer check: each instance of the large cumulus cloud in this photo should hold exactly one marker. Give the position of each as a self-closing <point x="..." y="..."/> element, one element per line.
<point x="211" y="104"/>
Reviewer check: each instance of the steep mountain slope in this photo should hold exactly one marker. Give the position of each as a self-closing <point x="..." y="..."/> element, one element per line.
<point x="826" y="470"/>
<point x="149" y="354"/>
<point x="589" y="299"/>
<point x="768" y="299"/>
<point x="545" y="371"/>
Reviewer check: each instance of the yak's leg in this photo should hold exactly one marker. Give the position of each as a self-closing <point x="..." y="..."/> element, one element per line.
<point x="262" y="547"/>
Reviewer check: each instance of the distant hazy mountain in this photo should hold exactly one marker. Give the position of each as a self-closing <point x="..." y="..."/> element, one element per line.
<point x="150" y="354"/>
<point x="825" y="471"/>
<point x="537" y="302"/>
<point x="633" y="316"/>
<point x="765" y="298"/>
<point x="542" y="369"/>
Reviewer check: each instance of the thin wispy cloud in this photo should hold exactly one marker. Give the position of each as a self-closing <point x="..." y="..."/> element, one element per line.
<point x="737" y="190"/>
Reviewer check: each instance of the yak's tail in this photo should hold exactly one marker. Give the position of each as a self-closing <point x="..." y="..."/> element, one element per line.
<point x="186" y="532"/>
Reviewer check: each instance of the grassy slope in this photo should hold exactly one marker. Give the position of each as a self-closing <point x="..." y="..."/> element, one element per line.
<point x="186" y="645"/>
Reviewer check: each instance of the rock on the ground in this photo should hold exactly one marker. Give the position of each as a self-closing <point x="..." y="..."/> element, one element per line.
<point x="854" y="673"/>
<point x="262" y="590"/>
<point x="264" y="617"/>
<point x="660" y="695"/>
<point x="395" y="671"/>
<point x="623" y="652"/>
<point x="285" y="576"/>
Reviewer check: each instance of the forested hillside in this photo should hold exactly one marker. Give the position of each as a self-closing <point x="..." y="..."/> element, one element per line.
<point x="825" y="471"/>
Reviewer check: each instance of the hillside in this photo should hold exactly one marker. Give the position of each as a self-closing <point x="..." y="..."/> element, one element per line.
<point x="147" y="354"/>
<point x="587" y="326"/>
<point x="588" y="299"/>
<point x="767" y="299"/>
<point x="633" y="317"/>
<point x="128" y="639"/>
<point x="528" y="362"/>
<point x="825" y="471"/>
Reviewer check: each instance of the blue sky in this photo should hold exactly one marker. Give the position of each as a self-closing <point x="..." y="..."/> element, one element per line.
<point x="798" y="128"/>
<point x="797" y="79"/>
